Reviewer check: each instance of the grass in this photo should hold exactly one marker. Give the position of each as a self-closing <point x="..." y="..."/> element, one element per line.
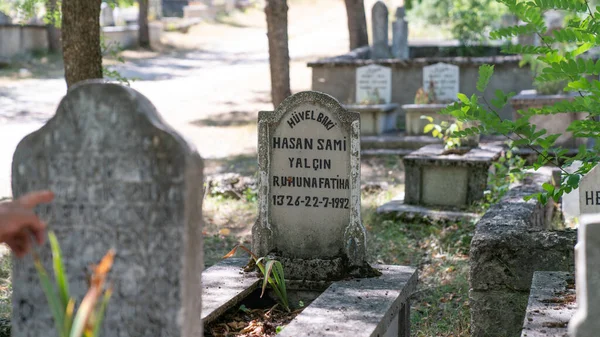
<point x="440" y="307"/>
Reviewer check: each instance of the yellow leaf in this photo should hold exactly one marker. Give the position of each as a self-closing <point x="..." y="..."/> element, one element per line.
<point x="225" y="231"/>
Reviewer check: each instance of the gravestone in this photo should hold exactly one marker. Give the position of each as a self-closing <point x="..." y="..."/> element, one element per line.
<point x="106" y="15"/>
<point x="379" y="22"/>
<point x="445" y="78"/>
<point x="123" y="179"/>
<point x="373" y="84"/>
<point x="589" y="192"/>
<point x="309" y="188"/>
<point x="585" y="322"/>
<point x="5" y="19"/>
<point x="400" y="35"/>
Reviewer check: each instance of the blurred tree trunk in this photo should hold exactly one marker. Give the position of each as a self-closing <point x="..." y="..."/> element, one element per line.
<point x="357" y="23"/>
<point x="279" y="56"/>
<point x="82" y="55"/>
<point x="143" y="33"/>
<point x="53" y="30"/>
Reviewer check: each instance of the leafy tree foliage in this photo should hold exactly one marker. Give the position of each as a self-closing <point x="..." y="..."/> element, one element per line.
<point x="563" y="54"/>
<point x="469" y="21"/>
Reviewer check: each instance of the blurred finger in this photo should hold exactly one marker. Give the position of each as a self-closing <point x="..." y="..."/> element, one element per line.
<point x="40" y="232"/>
<point x="31" y="200"/>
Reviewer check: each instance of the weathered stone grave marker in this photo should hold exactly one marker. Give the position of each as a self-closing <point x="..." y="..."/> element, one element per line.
<point x="445" y="78"/>
<point x="373" y="84"/>
<point x="122" y="179"/>
<point x="585" y="322"/>
<point x="589" y="192"/>
<point x="309" y="187"/>
<point x="400" y="35"/>
<point x="379" y="23"/>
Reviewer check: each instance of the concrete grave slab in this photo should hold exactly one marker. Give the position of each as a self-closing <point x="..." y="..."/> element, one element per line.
<point x="455" y="180"/>
<point x="123" y="179"/>
<point x="551" y="304"/>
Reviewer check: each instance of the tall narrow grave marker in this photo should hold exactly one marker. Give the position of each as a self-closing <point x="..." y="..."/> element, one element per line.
<point x="123" y="179"/>
<point x="309" y="200"/>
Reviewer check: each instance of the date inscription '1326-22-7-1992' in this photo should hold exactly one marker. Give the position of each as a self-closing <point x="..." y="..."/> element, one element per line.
<point x="310" y="166"/>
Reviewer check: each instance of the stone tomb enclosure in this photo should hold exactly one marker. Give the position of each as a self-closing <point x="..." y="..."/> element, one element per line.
<point x="123" y="179"/>
<point x="309" y="187"/>
<point x="427" y="172"/>
<point x="309" y="219"/>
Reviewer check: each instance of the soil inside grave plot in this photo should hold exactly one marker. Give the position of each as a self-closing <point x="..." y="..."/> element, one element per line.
<point x="253" y="317"/>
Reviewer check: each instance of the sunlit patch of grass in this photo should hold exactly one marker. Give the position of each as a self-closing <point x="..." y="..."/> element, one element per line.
<point x="227" y="222"/>
<point x="439" y="250"/>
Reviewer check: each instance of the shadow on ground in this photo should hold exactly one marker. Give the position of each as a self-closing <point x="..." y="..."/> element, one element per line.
<point x="244" y="164"/>
<point x="233" y="118"/>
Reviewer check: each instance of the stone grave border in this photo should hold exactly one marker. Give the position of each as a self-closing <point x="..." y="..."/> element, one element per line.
<point x="512" y="240"/>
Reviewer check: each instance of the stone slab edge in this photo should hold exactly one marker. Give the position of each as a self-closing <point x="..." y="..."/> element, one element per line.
<point x="506" y="238"/>
<point x="357" y="307"/>
<point x="551" y="305"/>
<point x="410" y="212"/>
<point x="224" y="285"/>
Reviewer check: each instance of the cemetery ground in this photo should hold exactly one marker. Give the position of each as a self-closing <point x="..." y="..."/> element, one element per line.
<point x="224" y="123"/>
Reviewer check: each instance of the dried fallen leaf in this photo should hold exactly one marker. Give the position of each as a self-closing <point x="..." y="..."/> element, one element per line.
<point x="225" y="231"/>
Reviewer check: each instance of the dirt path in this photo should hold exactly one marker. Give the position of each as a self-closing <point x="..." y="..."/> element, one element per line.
<point x="210" y="88"/>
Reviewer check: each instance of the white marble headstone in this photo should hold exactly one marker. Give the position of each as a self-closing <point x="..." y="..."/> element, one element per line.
<point x="589" y="192"/>
<point x="445" y="78"/>
<point x="374" y="84"/>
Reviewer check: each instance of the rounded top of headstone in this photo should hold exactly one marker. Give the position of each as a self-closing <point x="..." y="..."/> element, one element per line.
<point x="321" y="99"/>
<point x="98" y="104"/>
<point x="380" y="6"/>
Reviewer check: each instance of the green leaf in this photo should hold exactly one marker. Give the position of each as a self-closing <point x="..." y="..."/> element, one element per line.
<point x="59" y="271"/>
<point x="429" y="118"/>
<point x="573" y="180"/>
<point x="485" y="73"/>
<point x="53" y="299"/>
<point x="463" y="98"/>
<point x="267" y="275"/>
<point x="428" y="128"/>
<point x="100" y="313"/>
<point x="548" y="187"/>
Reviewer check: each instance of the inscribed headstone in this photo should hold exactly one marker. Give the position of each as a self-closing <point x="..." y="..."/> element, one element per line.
<point x="106" y="15"/>
<point x="585" y="322"/>
<point x="373" y="84"/>
<point x="379" y="22"/>
<point x="309" y="183"/>
<point x="400" y="35"/>
<point x="123" y="179"/>
<point x="589" y="192"/>
<point x="445" y="78"/>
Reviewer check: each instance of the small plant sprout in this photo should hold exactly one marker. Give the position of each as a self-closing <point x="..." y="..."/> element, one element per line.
<point x="87" y="320"/>
<point x="444" y="131"/>
<point x="272" y="271"/>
